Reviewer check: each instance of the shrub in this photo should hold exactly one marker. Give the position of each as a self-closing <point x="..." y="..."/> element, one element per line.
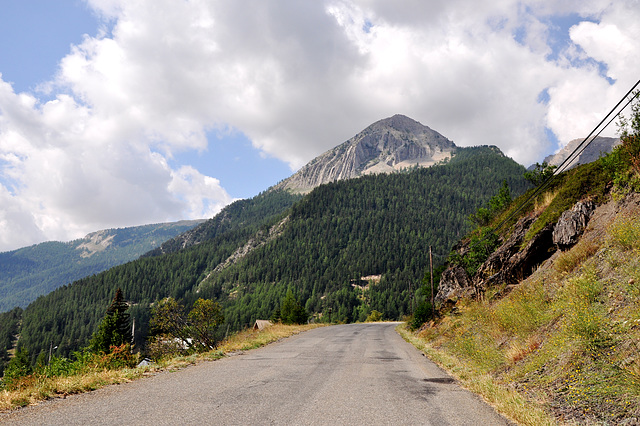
<point x="17" y="368"/>
<point x="60" y="367"/>
<point x="374" y="316"/>
<point x="174" y="332"/>
<point x="422" y="314"/>
<point x="119" y="357"/>
<point x="482" y="244"/>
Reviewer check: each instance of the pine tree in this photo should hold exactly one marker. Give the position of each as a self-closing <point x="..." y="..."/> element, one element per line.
<point x="292" y="311"/>
<point x="115" y="329"/>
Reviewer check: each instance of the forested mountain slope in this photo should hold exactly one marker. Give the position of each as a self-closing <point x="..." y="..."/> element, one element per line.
<point x="39" y="269"/>
<point x="378" y="225"/>
<point x="241" y="214"/>
<point x="387" y="146"/>
<point x="340" y="232"/>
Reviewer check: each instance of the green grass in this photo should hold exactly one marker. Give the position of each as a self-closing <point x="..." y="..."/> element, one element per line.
<point x="587" y="181"/>
<point x="565" y="340"/>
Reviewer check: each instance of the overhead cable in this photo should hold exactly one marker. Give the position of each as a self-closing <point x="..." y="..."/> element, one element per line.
<point x="577" y="151"/>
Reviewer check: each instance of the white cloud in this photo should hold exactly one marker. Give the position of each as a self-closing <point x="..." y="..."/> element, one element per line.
<point x="297" y="78"/>
<point x="74" y="171"/>
<point x="202" y="193"/>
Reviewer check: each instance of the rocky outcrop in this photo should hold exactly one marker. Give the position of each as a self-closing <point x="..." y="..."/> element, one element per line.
<point x="572" y="223"/>
<point x="500" y="264"/>
<point x="454" y="285"/>
<point x="388" y="145"/>
<point x="511" y="262"/>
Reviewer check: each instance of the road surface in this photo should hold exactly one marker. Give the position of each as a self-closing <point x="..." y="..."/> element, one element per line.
<point x="356" y="374"/>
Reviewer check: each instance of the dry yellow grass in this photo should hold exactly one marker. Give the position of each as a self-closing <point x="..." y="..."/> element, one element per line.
<point x="35" y="389"/>
<point x="543" y="201"/>
<point x="249" y="339"/>
<point x="504" y="399"/>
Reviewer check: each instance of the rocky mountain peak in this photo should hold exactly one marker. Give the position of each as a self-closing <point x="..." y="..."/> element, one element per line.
<point x="596" y="149"/>
<point x="386" y="146"/>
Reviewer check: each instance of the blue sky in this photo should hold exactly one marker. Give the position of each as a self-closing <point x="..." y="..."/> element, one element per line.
<point x="117" y="113"/>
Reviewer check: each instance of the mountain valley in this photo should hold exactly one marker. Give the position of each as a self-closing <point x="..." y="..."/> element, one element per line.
<point x="375" y="225"/>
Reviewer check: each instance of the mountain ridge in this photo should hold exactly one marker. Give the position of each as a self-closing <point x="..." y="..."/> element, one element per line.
<point x="29" y="272"/>
<point x="386" y="146"/>
<point x="596" y="149"/>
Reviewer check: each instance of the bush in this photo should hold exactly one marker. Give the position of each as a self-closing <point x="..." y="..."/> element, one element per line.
<point x="118" y="357"/>
<point x="17" y="368"/>
<point x="422" y="314"/>
<point x="374" y="316"/>
<point x="173" y="332"/>
<point x="482" y="244"/>
<point x="60" y="367"/>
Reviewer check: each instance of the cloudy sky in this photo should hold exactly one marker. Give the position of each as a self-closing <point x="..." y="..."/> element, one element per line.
<point x="117" y="112"/>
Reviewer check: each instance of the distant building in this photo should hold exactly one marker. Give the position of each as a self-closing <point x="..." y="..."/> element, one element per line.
<point x="262" y="324"/>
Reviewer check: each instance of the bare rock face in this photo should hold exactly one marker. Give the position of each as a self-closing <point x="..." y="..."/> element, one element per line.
<point x="388" y="145"/>
<point x="524" y="263"/>
<point x="509" y="264"/>
<point x="572" y="223"/>
<point x="499" y="264"/>
<point x="454" y="284"/>
<point x="592" y="152"/>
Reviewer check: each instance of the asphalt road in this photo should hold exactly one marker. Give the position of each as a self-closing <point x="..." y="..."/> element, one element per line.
<point x="353" y="374"/>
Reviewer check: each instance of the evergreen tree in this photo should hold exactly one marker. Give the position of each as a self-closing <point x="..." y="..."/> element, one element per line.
<point x="292" y="311"/>
<point x="18" y="366"/>
<point x="115" y="329"/>
<point x="540" y="173"/>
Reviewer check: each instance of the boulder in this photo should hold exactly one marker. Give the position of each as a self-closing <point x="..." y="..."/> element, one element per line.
<point x="572" y="224"/>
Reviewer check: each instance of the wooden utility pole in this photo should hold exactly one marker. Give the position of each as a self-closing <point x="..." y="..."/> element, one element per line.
<point x="433" y="306"/>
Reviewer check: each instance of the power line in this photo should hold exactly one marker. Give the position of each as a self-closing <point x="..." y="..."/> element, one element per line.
<point x="577" y="151"/>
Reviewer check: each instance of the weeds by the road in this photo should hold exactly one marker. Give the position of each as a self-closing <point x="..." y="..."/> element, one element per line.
<point x="38" y="387"/>
<point x="564" y="341"/>
<point x="506" y="400"/>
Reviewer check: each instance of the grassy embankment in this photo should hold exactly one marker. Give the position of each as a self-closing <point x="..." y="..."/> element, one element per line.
<point x="91" y="376"/>
<point x="564" y="345"/>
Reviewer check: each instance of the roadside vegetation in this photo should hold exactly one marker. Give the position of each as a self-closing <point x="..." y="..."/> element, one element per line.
<point x="565" y="340"/>
<point x="62" y="377"/>
<point x="177" y="338"/>
<point x="563" y="346"/>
